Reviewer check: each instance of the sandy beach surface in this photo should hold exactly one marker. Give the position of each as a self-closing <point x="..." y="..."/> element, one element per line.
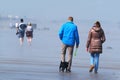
<point x="40" y="61"/>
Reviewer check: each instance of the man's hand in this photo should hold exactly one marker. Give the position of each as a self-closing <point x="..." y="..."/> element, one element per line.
<point x="77" y="46"/>
<point x="17" y="33"/>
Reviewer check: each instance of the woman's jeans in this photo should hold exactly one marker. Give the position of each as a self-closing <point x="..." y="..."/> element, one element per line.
<point x="94" y="60"/>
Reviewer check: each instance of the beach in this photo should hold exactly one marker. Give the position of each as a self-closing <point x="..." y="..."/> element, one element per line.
<point x="40" y="61"/>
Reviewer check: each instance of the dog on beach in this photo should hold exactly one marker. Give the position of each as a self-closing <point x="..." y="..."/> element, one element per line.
<point x="63" y="66"/>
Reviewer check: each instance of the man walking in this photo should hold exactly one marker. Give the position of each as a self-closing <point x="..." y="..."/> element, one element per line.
<point x="21" y="30"/>
<point x="68" y="34"/>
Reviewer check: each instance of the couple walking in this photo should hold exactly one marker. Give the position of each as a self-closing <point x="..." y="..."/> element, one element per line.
<point x="23" y="29"/>
<point x="69" y="36"/>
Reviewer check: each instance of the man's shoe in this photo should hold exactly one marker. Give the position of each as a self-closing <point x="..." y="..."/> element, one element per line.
<point x="91" y="68"/>
<point x="68" y="70"/>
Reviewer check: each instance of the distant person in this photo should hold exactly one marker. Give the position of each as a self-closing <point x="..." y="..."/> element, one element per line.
<point x="96" y="38"/>
<point x="29" y="33"/>
<point x="68" y="34"/>
<point x="21" y="30"/>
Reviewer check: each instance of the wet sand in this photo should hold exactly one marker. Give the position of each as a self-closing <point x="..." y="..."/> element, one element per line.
<point x="40" y="61"/>
<point x="24" y="69"/>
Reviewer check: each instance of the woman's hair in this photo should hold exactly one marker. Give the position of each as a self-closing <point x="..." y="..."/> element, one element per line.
<point x="98" y="23"/>
<point x="29" y="24"/>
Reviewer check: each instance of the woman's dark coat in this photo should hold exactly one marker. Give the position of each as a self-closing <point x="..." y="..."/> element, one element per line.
<point x="96" y="38"/>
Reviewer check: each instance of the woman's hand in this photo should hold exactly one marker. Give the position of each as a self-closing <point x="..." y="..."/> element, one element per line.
<point x="87" y="49"/>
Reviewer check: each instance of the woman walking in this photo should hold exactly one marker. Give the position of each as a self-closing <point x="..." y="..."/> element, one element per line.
<point x="96" y="38"/>
<point x="29" y="33"/>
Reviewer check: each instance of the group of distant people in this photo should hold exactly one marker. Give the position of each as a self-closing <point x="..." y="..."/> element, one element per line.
<point x="23" y="29"/>
<point x="69" y="36"/>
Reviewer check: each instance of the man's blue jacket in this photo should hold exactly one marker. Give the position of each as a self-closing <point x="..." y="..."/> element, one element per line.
<point x="68" y="33"/>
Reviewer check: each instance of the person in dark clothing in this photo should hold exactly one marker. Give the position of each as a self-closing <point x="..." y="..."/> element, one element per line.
<point x="21" y="30"/>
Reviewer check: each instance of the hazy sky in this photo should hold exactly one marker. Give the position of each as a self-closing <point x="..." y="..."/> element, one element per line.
<point x="58" y="9"/>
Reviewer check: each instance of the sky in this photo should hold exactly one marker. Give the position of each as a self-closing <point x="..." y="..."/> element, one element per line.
<point x="106" y="10"/>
